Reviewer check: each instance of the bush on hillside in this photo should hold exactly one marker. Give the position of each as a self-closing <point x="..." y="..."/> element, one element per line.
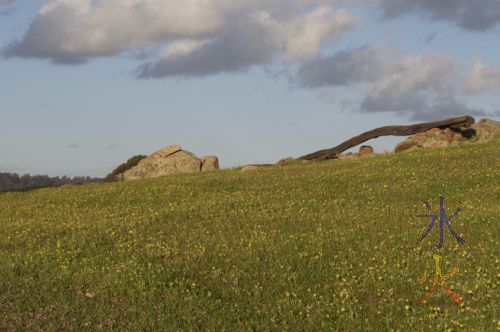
<point x="124" y="167"/>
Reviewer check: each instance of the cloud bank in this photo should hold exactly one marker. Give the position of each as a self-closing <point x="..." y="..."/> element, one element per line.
<point x="424" y="87"/>
<point x="191" y="35"/>
<point x="345" y="67"/>
<point x="199" y="38"/>
<point x="407" y="84"/>
<point x="482" y="78"/>
<point x="472" y="15"/>
<point x="254" y="40"/>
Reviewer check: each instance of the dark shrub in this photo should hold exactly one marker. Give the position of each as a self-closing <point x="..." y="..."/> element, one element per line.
<point x="124" y="167"/>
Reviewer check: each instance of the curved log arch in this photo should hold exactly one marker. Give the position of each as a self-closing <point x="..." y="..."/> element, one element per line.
<point x="463" y="121"/>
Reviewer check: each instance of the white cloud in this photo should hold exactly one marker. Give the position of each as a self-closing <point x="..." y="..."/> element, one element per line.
<point x="301" y="37"/>
<point x="236" y="49"/>
<point x="255" y="39"/>
<point x="482" y="79"/>
<point x="183" y="47"/>
<point x="407" y="83"/>
<point x="73" y="31"/>
<point x="66" y="30"/>
<point x="197" y="38"/>
<point x="422" y="87"/>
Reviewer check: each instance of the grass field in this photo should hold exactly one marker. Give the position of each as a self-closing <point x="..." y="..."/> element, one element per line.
<point x="310" y="246"/>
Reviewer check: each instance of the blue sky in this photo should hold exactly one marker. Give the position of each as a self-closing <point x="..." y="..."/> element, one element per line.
<point x="84" y="85"/>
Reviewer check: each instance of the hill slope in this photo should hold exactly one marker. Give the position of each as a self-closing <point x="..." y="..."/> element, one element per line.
<point x="319" y="246"/>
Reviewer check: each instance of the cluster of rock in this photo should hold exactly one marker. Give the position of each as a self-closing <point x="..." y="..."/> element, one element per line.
<point x="173" y="160"/>
<point x="285" y="161"/>
<point x="480" y="132"/>
<point x="247" y="168"/>
<point x="486" y="130"/>
<point x="434" y="138"/>
<point x="364" y="151"/>
<point x="168" y="161"/>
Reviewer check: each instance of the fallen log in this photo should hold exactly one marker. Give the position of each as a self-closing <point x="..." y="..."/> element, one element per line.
<point x="463" y="121"/>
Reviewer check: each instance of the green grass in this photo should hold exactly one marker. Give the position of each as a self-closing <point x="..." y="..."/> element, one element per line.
<point x="314" y="246"/>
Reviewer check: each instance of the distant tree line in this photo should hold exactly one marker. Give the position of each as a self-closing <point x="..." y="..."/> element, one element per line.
<point x="14" y="182"/>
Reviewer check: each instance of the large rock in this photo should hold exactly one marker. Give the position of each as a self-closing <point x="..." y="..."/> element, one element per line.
<point x="486" y="130"/>
<point x="365" y="150"/>
<point x="348" y="155"/>
<point x="254" y="167"/>
<point x="167" y="151"/>
<point x="156" y="165"/>
<point x="480" y="132"/>
<point x="168" y="161"/>
<point x="285" y="161"/>
<point x="407" y="145"/>
<point x="431" y="139"/>
<point x="250" y="168"/>
<point x="209" y="163"/>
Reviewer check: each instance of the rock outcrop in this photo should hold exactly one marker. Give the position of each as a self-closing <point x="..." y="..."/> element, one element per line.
<point x="209" y="163"/>
<point x="434" y="138"/>
<point x="333" y="153"/>
<point x="486" y="130"/>
<point x="168" y="161"/>
<point x="480" y="132"/>
<point x="167" y="151"/>
<point x="365" y="150"/>
<point x="285" y="161"/>
<point x="254" y="167"/>
<point x="249" y="168"/>
<point x="348" y="155"/>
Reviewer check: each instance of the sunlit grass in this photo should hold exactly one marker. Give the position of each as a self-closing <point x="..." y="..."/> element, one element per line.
<point x="312" y="246"/>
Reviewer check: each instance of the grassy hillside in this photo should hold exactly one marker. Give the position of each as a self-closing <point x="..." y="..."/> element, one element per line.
<point x="316" y="246"/>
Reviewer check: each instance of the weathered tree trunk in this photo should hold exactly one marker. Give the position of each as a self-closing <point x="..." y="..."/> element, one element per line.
<point x="463" y="121"/>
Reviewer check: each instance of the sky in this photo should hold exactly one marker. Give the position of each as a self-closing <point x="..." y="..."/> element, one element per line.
<point x="86" y="84"/>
